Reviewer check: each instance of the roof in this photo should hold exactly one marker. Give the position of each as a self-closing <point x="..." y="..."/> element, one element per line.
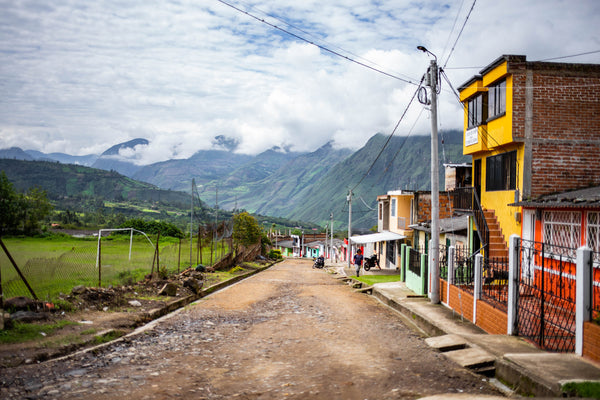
<point x="453" y="224"/>
<point x="581" y="198"/>
<point x="384" y="236"/>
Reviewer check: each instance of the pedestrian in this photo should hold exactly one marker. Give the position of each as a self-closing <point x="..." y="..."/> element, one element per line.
<point x="358" y="259"/>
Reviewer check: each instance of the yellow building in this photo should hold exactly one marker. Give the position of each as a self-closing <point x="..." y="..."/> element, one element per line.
<point x="531" y="129"/>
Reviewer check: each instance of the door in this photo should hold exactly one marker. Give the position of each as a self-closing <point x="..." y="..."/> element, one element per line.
<point x="528" y="235"/>
<point x="477" y="177"/>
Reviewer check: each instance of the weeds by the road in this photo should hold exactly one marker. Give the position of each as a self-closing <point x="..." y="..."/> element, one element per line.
<point x="372" y="279"/>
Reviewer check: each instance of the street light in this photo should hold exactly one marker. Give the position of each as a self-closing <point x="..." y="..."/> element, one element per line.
<point x="435" y="183"/>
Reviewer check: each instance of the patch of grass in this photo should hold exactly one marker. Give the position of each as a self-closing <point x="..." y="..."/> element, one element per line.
<point x="583" y="389"/>
<point x="372" y="279"/>
<point x="90" y="331"/>
<point x="236" y="269"/>
<point x="112" y="335"/>
<point x="24" y="332"/>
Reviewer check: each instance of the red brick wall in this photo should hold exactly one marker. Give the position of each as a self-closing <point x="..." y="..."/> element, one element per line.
<point x="424" y="206"/>
<point x="565" y="124"/>
<point x="463" y="305"/>
<point x="490" y="319"/>
<point x="591" y="341"/>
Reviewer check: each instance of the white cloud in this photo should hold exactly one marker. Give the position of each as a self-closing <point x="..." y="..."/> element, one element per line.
<point x="80" y="77"/>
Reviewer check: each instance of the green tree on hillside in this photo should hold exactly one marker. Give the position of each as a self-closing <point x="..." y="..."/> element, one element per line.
<point x="246" y="230"/>
<point x="21" y="212"/>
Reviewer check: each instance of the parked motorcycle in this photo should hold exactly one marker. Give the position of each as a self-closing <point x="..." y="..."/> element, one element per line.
<point x="319" y="262"/>
<point x="371" y="262"/>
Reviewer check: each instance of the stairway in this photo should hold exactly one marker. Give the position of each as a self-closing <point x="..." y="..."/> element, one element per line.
<point x="498" y="249"/>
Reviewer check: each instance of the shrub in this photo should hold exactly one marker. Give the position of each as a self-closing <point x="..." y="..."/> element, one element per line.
<point x="275" y="254"/>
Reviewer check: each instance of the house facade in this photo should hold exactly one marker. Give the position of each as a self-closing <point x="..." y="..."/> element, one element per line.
<point x="532" y="129"/>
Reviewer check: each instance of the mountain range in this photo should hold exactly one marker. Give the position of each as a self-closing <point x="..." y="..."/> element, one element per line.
<point x="281" y="183"/>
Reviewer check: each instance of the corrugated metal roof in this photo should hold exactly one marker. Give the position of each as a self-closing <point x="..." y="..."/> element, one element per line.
<point x="376" y="237"/>
<point x="581" y="198"/>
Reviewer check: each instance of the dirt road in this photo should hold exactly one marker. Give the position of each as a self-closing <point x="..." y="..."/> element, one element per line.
<point x="290" y="332"/>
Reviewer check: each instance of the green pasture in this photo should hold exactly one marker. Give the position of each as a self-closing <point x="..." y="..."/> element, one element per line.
<point x="55" y="265"/>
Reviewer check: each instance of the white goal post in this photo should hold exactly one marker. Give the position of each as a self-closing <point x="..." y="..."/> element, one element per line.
<point x="117" y="230"/>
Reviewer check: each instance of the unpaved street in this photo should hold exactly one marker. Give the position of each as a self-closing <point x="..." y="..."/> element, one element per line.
<point x="290" y="332"/>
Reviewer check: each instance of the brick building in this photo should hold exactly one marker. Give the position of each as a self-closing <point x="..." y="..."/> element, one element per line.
<point x="532" y="129"/>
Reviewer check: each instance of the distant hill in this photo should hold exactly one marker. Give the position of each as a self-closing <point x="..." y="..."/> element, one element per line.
<point x="87" y="160"/>
<point x="279" y="183"/>
<point x="404" y="164"/>
<point x="15" y="153"/>
<point x="62" y="181"/>
<point x="111" y="160"/>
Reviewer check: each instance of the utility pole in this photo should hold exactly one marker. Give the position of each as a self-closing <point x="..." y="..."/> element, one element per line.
<point x="331" y="246"/>
<point x="192" y="222"/>
<point x="435" y="184"/>
<point x="349" y="248"/>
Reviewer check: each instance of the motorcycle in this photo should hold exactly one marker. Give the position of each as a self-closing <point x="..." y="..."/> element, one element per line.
<point x="371" y="262"/>
<point x="319" y="262"/>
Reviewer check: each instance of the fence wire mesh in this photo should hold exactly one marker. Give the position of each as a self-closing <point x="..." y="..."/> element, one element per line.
<point x="52" y="268"/>
<point x="546" y="305"/>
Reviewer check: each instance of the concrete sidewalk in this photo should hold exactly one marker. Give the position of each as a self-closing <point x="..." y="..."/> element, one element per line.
<point x="510" y="359"/>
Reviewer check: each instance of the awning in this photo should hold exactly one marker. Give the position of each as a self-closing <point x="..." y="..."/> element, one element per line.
<point x="376" y="237"/>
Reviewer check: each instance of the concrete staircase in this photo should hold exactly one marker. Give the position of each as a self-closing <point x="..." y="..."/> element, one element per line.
<point x="497" y="246"/>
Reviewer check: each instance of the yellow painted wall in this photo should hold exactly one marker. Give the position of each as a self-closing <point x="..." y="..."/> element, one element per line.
<point x="499" y="130"/>
<point x="403" y="210"/>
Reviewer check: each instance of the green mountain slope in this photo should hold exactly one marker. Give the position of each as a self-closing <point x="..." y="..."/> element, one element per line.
<point x="62" y="181"/>
<point x="404" y="164"/>
<point x="278" y="191"/>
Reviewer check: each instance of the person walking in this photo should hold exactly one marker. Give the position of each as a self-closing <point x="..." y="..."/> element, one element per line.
<point x="358" y="259"/>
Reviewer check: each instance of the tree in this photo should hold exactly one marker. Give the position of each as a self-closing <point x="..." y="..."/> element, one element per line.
<point x="22" y="211"/>
<point x="8" y="204"/>
<point x="36" y="207"/>
<point x="246" y="230"/>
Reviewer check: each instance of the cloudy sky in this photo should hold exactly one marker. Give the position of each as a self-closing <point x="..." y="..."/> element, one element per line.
<point x="80" y="76"/>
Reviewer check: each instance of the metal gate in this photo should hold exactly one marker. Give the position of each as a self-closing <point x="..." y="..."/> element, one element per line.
<point x="546" y="295"/>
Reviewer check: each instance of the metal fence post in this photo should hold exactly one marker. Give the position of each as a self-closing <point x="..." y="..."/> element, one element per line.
<point x="513" y="285"/>
<point x="584" y="287"/>
<point x="403" y="262"/>
<point x="477" y="284"/>
<point x="451" y="257"/>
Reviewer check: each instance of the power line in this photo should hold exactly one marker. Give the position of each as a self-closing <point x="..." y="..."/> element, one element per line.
<point x="573" y="55"/>
<point x="460" y="33"/>
<point x="390" y="136"/>
<point x="316" y="44"/>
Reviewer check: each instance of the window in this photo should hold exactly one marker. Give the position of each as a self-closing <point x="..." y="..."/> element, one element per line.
<point x="497" y="100"/>
<point x="562" y="230"/>
<point x="593" y="233"/>
<point x="477" y="111"/>
<point x="393" y="207"/>
<point x="501" y="172"/>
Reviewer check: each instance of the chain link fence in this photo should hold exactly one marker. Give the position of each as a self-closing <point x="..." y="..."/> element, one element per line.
<point x="119" y="261"/>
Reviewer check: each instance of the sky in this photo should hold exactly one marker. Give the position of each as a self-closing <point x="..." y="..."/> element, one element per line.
<point x="81" y="76"/>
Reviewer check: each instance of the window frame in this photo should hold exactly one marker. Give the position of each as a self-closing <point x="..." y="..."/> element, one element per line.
<point x="393" y="206"/>
<point x="496" y="100"/>
<point x="477" y="111"/>
<point x="501" y="172"/>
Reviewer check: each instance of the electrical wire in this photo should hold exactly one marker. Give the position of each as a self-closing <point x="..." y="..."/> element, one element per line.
<point x="336" y="53"/>
<point x="390" y="136"/>
<point x="460" y="33"/>
<point x="573" y="55"/>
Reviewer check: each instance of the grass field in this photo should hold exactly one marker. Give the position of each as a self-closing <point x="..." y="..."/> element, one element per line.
<point x="56" y="264"/>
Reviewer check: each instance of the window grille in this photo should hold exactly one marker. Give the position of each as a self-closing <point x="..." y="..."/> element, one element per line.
<point x="563" y="230"/>
<point x="593" y="233"/>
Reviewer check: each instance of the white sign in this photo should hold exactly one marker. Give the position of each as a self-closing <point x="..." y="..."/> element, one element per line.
<point x="471" y="136"/>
